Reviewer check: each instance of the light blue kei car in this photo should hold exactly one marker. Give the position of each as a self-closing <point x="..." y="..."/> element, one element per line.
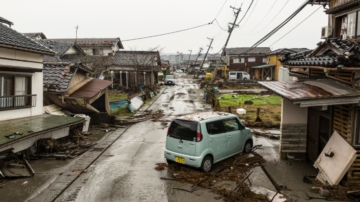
<point x="205" y="138"/>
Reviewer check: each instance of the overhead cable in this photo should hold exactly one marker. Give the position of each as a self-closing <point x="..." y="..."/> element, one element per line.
<point x="219" y="25"/>
<point x="296" y="26"/>
<point x="269" y="23"/>
<point x="252" y="1"/>
<point x="264" y="17"/>
<point x="146" y="37"/>
<point x="277" y="28"/>
<point x="250" y="12"/>
<point x="220" y="10"/>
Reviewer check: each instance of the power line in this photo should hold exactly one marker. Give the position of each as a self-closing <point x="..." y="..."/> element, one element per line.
<point x="296" y="26"/>
<point x="277" y="28"/>
<point x="220" y="9"/>
<point x="250" y="13"/>
<point x="246" y="12"/>
<point x="219" y="25"/>
<point x="146" y="37"/>
<point x="264" y="16"/>
<point x="273" y="18"/>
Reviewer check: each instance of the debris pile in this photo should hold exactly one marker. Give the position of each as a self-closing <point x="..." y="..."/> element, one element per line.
<point x="139" y="118"/>
<point x="236" y="170"/>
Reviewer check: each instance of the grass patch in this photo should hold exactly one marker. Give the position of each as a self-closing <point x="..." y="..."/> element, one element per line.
<point x="258" y="100"/>
<point x="122" y="112"/>
<point x="270" y="108"/>
<point x="116" y="97"/>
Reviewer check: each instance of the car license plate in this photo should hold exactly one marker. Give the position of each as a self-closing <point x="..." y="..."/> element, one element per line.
<point x="179" y="160"/>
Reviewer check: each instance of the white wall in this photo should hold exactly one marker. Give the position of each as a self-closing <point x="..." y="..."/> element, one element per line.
<point x="17" y="58"/>
<point x="293" y="114"/>
<point x="70" y="51"/>
<point x="27" y="60"/>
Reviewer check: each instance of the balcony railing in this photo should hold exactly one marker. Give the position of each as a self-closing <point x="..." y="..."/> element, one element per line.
<point x="17" y="102"/>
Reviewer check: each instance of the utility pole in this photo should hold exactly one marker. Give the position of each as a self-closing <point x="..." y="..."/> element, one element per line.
<point x="231" y="29"/>
<point x="198" y="54"/>
<point x="189" y="58"/>
<point x="77" y="27"/>
<point x="211" y="40"/>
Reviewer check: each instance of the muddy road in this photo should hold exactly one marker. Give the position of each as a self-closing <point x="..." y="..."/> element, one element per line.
<point x="125" y="171"/>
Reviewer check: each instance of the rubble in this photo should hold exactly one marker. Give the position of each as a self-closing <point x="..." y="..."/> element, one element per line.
<point x="230" y="170"/>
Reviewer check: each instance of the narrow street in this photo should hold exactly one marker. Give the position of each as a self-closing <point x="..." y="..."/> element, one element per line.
<point x="125" y="171"/>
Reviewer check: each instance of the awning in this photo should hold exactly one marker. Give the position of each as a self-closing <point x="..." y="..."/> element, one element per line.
<point x="262" y="66"/>
<point x="91" y="89"/>
<point x="312" y="93"/>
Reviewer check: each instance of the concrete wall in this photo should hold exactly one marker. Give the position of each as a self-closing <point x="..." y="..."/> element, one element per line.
<point x="293" y="129"/>
<point x="10" y="57"/>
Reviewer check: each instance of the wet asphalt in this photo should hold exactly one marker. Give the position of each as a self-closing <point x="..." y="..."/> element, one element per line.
<point x="125" y="171"/>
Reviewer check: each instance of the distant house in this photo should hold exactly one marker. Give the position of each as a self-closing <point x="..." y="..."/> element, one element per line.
<point x="96" y="46"/>
<point x="35" y="35"/>
<point x="22" y="121"/>
<point x="134" y="68"/>
<point x="237" y="61"/>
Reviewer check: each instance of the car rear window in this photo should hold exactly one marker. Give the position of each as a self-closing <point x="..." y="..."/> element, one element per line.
<point x="169" y="76"/>
<point x="182" y="129"/>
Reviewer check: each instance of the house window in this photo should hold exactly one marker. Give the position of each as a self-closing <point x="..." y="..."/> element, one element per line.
<point x="238" y="60"/>
<point x="346" y="26"/>
<point x="97" y="51"/>
<point x="15" y="92"/>
<point x="265" y="60"/>
<point x="252" y="59"/>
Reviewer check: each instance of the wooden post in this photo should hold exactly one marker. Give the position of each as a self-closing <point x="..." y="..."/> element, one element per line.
<point x="229" y="109"/>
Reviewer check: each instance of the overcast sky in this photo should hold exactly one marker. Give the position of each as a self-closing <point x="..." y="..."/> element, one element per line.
<point x="130" y="19"/>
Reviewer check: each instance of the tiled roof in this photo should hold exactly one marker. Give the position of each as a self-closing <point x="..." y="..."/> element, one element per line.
<point x="135" y="58"/>
<point x="57" y="76"/>
<point x="60" y="48"/>
<point x="12" y="39"/>
<point x="257" y="50"/>
<point x="35" y="34"/>
<point x="330" y="53"/>
<point x="94" y="41"/>
<point x="3" y="20"/>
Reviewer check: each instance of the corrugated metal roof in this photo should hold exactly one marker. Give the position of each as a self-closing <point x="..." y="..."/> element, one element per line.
<point x="262" y="66"/>
<point x="91" y="89"/>
<point x="323" y="89"/>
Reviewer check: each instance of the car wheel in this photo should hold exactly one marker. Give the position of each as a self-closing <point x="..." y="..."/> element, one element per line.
<point x="169" y="162"/>
<point x="247" y="147"/>
<point x="245" y="79"/>
<point x="206" y="164"/>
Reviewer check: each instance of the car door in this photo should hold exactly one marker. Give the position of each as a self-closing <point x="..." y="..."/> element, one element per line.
<point x="217" y="139"/>
<point x="234" y="138"/>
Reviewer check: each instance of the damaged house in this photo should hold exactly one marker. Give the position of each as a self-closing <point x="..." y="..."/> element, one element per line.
<point x="135" y="68"/>
<point x="22" y="122"/>
<point x="326" y="96"/>
<point x="67" y="82"/>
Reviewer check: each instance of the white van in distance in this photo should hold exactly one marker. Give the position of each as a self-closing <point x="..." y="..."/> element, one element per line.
<point x="239" y="75"/>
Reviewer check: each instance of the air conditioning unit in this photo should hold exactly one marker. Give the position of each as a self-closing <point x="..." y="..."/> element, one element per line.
<point x="326" y="32"/>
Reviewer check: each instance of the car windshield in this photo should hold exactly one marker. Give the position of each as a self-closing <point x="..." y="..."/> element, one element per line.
<point x="182" y="129"/>
<point x="169" y="76"/>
